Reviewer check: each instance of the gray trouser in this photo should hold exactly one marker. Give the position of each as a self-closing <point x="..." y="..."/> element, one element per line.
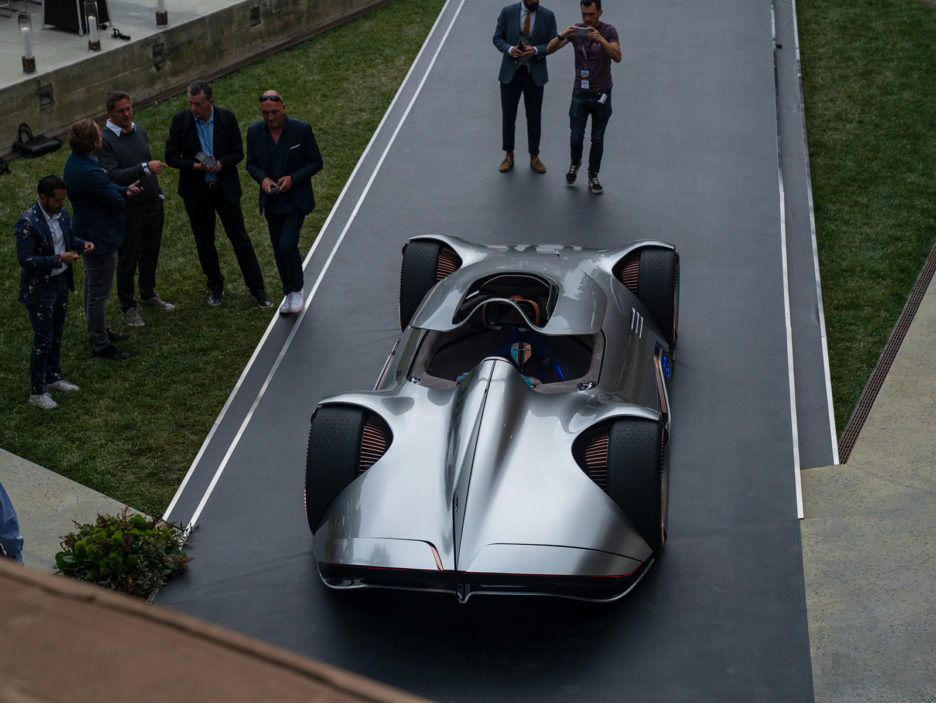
<point x="98" y="280"/>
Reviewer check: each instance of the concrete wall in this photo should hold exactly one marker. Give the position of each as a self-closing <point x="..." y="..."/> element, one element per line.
<point x="164" y="63"/>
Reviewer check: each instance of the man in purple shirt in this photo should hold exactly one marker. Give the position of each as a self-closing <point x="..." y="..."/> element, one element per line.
<point x="596" y="46"/>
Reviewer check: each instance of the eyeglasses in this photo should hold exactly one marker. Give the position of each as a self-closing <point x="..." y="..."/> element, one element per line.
<point x="273" y="98"/>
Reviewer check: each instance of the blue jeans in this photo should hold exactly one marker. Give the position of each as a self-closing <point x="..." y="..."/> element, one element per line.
<point x="284" y="236"/>
<point x="583" y="105"/>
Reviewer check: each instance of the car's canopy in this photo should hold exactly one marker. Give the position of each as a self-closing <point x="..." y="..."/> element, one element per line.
<point x="575" y="286"/>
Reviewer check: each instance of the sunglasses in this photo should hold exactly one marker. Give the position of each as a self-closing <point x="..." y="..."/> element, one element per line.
<point x="271" y="98"/>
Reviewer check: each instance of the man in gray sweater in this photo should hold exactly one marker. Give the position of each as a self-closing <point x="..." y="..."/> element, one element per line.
<point x="125" y="155"/>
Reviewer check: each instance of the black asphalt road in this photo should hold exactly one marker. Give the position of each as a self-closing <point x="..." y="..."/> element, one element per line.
<point x="693" y="157"/>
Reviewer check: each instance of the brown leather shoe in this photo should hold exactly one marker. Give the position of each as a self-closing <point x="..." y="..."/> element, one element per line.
<point x="536" y="164"/>
<point x="506" y="164"/>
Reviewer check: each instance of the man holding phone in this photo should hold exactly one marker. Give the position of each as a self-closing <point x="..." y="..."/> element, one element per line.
<point x="282" y="157"/>
<point x="596" y="45"/>
<point x="523" y="32"/>
<point x="47" y="250"/>
<point x="205" y="144"/>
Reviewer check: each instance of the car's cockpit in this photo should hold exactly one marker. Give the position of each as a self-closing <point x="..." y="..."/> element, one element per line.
<point x="503" y="315"/>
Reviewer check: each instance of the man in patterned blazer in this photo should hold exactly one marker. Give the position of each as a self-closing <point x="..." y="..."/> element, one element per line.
<point x="46" y="250"/>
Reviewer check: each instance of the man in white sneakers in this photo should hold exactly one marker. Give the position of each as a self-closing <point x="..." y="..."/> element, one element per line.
<point x="282" y="157"/>
<point x="47" y="250"/>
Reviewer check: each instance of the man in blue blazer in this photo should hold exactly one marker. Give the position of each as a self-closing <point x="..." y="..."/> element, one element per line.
<point x="205" y="144"/>
<point x="99" y="206"/>
<point x="46" y="250"/>
<point x="282" y="157"/>
<point x="523" y="33"/>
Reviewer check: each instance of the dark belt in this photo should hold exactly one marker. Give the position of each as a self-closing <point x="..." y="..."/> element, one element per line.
<point x="213" y="185"/>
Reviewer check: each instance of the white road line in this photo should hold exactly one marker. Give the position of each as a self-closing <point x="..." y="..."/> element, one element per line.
<point x="815" y="246"/>
<point x="227" y="455"/>
<point x="788" y="319"/>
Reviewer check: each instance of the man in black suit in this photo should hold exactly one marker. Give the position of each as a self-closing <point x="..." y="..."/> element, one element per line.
<point x="282" y="157"/>
<point x="205" y="145"/>
<point x="523" y="33"/>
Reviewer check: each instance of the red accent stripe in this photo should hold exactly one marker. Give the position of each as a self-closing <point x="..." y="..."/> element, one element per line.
<point x="368" y="567"/>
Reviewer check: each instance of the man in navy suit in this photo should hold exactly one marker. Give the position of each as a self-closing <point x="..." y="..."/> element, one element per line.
<point x="282" y="157"/>
<point x="99" y="206"/>
<point x="46" y="250"/>
<point x="523" y="33"/>
<point x="205" y="144"/>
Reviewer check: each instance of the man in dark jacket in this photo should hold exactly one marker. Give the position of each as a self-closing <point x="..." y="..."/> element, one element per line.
<point x="46" y="250"/>
<point x="523" y="32"/>
<point x="99" y="205"/>
<point x="282" y="157"/>
<point x="205" y="145"/>
<point x="125" y="156"/>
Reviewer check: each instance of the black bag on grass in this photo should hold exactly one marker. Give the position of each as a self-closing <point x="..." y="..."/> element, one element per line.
<point x="28" y="145"/>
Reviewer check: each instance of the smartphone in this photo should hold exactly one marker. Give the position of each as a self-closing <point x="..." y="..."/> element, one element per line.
<point x="209" y="161"/>
<point x="581" y="31"/>
<point x="274" y="189"/>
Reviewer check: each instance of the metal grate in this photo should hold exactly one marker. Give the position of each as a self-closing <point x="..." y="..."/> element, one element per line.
<point x="448" y="263"/>
<point x="886" y="360"/>
<point x="628" y="271"/>
<point x="375" y="440"/>
<point x="595" y="459"/>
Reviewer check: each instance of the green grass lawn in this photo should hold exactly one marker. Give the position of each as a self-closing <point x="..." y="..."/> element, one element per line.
<point x="869" y="77"/>
<point x="135" y="426"/>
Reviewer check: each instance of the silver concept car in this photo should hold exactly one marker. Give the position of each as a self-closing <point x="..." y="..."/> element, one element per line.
<point x="515" y="442"/>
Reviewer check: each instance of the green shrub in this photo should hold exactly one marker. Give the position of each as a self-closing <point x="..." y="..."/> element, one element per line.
<point x="129" y="552"/>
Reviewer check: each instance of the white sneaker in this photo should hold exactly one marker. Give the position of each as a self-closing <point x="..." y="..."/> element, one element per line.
<point x="62" y="385"/>
<point x="286" y="307"/>
<point x="297" y="301"/>
<point x="43" y="401"/>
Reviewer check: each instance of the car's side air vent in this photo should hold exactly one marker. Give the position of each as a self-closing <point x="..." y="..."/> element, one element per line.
<point x="375" y="440"/>
<point x="590" y="451"/>
<point x="449" y="262"/>
<point x="627" y="271"/>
